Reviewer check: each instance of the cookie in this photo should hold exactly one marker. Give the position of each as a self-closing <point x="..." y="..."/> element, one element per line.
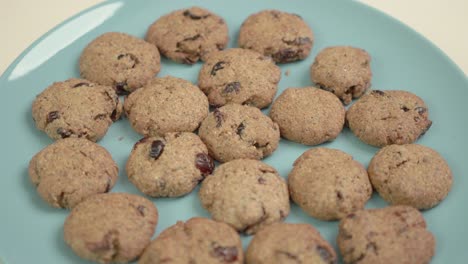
<point x="121" y="61"/>
<point x="386" y="235"/>
<point x="289" y="243"/>
<point x="246" y="194"/>
<point x="412" y="175"/>
<point x="76" y="108"/>
<point x="283" y="36"/>
<point x="328" y="184"/>
<point x="169" y="166"/>
<point x="239" y="76"/>
<point x="188" y="35"/>
<point x="342" y="70"/>
<point x="70" y="170"/>
<point x="308" y="115"/>
<point x="166" y="105"/>
<point x="239" y="131"/>
<point x="199" y="240"/>
<point x="111" y="228"/>
<point x="382" y="118"/>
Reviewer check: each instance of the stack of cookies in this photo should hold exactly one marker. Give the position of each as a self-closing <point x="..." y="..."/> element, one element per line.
<point x="182" y="138"/>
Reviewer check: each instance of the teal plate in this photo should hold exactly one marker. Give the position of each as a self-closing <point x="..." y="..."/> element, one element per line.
<point x="31" y="231"/>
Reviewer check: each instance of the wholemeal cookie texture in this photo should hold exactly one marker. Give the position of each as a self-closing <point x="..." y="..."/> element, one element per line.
<point x="410" y="174"/>
<point x="287" y="243"/>
<point x="308" y="115"/>
<point x="329" y="184"/>
<point x="239" y="76"/>
<point x="70" y="170"/>
<point x="343" y="70"/>
<point x="188" y="35"/>
<point x="111" y="228"/>
<point x="283" y="36"/>
<point x="166" y="105"/>
<point x="395" y="234"/>
<point x="199" y="240"/>
<point x="382" y="118"/>
<point x="169" y="166"/>
<point x="121" y="61"/>
<point x="246" y="194"/>
<point x="76" y="108"/>
<point x="239" y="131"/>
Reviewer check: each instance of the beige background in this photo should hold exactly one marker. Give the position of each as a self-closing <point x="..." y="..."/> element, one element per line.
<point x="444" y="22"/>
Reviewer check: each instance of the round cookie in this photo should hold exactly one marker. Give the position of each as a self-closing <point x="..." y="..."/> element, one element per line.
<point x="283" y="36"/>
<point x="289" y="243"/>
<point x="383" y="118"/>
<point x="70" y="170"/>
<point x="111" y="228"/>
<point x="120" y="60"/>
<point x="328" y="184"/>
<point x="169" y="166"/>
<point x="246" y="194"/>
<point x="166" y="105"/>
<point x="188" y="35"/>
<point x="76" y="108"/>
<point x="411" y="174"/>
<point x="342" y="70"/>
<point x="386" y="235"/>
<point x="239" y="131"/>
<point x="239" y="76"/>
<point x="308" y="115"/>
<point x="203" y="241"/>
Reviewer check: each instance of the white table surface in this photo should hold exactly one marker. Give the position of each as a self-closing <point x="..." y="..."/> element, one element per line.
<point x="444" y="22"/>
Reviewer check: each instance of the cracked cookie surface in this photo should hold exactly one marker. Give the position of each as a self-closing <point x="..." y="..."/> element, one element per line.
<point x="239" y="131"/>
<point x="385" y="235"/>
<point x="343" y="70"/>
<point x="239" y="76"/>
<point x="164" y="105"/>
<point x="328" y="184"/>
<point x="120" y="60"/>
<point x="199" y="240"/>
<point x="89" y="169"/>
<point x="283" y="36"/>
<point x="246" y="194"/>
<point x="76" y="108"/>
<point x="382" y="118"/>
<point x="411" y="174"/>
<point x="111" y="228"/>
<point x="169" y="166"/>
<point x="308" y="115"/>
<point x="188" y="35"/>
<point x="285" y="243"/>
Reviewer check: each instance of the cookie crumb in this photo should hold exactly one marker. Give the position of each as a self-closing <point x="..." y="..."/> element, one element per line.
<point x="120" y="138"/>
<point x="287" y="72"/>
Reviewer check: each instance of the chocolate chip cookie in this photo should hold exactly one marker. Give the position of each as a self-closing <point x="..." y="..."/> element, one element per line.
<point x="411" y="174"/>
<point x="166" y="105"/>
<point x="239" y="131"/>
<point x="246" y="194"/>
<point x="76" y="108"/>
<point x="289" y="243"/>
<point x="283" y="36"/>
<point x="382" y="118"/>
<point x="188" y="35"/>
<point x="239" y="76"/>
<point x="120" y="60"/>
<point x="386" y="235"/>
<point x="169" y="166"/>
<point x="342" y="70"/>
<point x="308" y="115"/>
<point x="202" y="240"/>
<point x="111" y="228"/>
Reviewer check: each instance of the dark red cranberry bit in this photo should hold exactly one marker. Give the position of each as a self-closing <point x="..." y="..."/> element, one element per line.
<point x="420" y="110"/>
<point x="141" y="210"/>
<point x="232" y="87"/>
<point x="218" y="66"/>
<point x="226" y="254"/>
<point x="326" y="255"/>
<point x="404" y="108"/>
<point x="81" y="84"/>
<point x="52" y="116"/>
<point x="63" y="132"/>
<point x="190" y="15"/>
<point x="141" y="141"/>
<point x="120" y="88"/>
<point x="197" y="36"/>
<point x="113" y="116"/>
<point x="261" y="180"/>
<point x="285" y="55"/>
<point x="157" y="148"/>
<point x="130" y="57"/>
<point x="339" y="195"/>
<point x="275" y="14"/>
<point x="240" y="129"/>
<point x="108" y="185"/>
<point x="378" y="92"/>
<point x="204" y="163"/>
<point x="219" y="117"/>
